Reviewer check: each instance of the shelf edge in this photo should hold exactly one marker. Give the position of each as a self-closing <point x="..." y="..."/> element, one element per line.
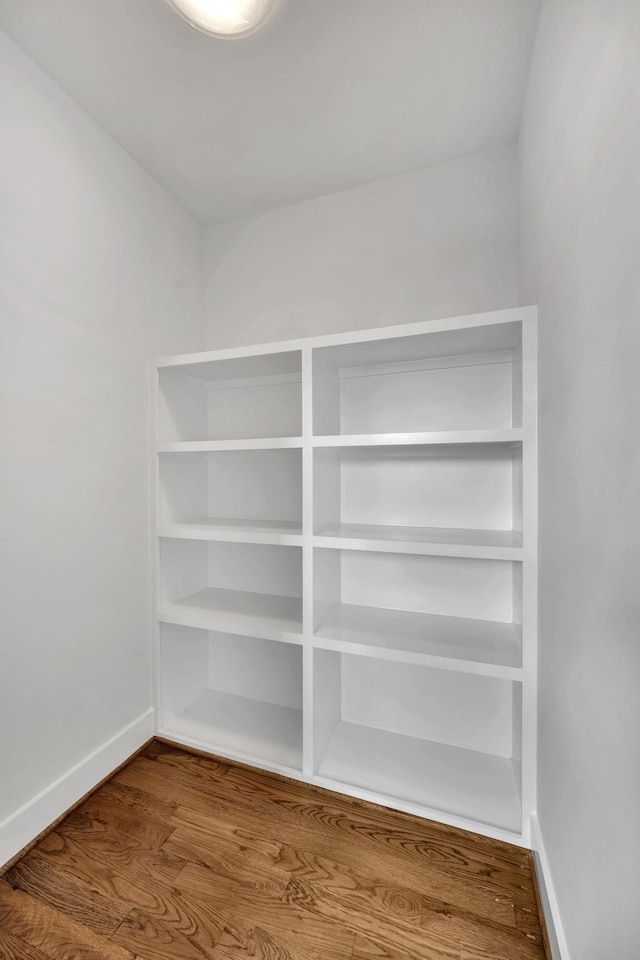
<point x="428" y="438"/>
<point x="209" y="621"/>
<point x="215" y="446"/>
<point x="452" y="664"/>
<point x="203" y="533"/>
<point x="427" y="549"/>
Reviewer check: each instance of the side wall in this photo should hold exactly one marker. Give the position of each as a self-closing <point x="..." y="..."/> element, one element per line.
<point x="580" y="159"/>
<point x="99" y="270"/>
<point x="435" y="243"/>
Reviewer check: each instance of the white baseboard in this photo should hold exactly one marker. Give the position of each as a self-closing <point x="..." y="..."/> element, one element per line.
<point x="548" y="897"/>
<point x="21" y="828"/>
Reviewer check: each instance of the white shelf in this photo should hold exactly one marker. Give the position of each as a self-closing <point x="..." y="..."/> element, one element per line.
<point x="240" y="612"/>
<point x="249" y="729"/>
<point x="283" y="532"/>
<point x="435" y="541"/>
<point x="437" y="777"/>
<point x="508" y="435"/>
<point x="481" y="647"/>
<point x="213" y="446"/>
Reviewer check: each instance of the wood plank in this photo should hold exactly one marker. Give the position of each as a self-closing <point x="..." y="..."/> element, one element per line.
<point x="245" y="862"/>
<point x="370" y="895"/>
<point x="289" y="924"/>
<point x="257" y="944"/>
<point x="180" y="934"/>
<point x="196" y="770"/>
<point x="161" y="923"/>
<point x="118" y="850"/>
<point x="137" y="801"/>
<point x="14" y="948"/>
<point x="224" y="831"/>
<point x="479" y="938"/>
<point x="124" y="882"/>
<point x="104" y="815"/>
<point x="528" y="922"/>
<point x="148" y="777"/>
<point x="386" y="932"/>
<point x="368" y="949"/>
<point x="57" y="935"/>
<point x="64" y="891"/>
<point x="491" y="950"/>
<point x="210" y="933"/>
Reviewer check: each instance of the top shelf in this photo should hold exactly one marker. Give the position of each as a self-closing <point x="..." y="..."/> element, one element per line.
<point x="429" y="385"/>
<point x="459" y="344"/>
<point x="240" y="403"/>
<point x="243" y="368"/>
<point x="449" y="382"/>
<point x="488" y="320"/>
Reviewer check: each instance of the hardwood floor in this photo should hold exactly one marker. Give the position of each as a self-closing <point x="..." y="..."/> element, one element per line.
<point x="183" y="857"/>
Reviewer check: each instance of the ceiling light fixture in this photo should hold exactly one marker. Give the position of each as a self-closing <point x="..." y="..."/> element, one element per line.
<point x="225" y="18"/>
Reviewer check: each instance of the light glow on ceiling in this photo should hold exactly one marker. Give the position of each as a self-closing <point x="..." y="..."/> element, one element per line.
<point x="225" y="18"/>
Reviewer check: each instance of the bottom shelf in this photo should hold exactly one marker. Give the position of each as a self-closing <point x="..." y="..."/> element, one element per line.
<point x="225" y="722"/>
<point x="461" y="782"/>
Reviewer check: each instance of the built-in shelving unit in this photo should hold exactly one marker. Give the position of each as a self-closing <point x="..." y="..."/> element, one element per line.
<point x="346" y="532"/>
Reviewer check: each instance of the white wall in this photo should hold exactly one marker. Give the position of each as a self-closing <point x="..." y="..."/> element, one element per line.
<point x="580" y="153"/>
<point x="99" y="270"/>
<point x="438" y="242"/>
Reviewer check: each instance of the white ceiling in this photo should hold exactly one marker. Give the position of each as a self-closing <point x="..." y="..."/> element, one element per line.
<point x="331" y="94"/>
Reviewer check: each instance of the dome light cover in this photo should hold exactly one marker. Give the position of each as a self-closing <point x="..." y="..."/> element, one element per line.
<point x="225" y="18"/>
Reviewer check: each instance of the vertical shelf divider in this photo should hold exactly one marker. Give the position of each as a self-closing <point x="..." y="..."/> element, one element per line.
<point x="529" y="568"/>
<point x="307" y="563"/>
<point x="154" y="543"/>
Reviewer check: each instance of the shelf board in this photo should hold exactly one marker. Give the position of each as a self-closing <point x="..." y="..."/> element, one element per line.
<point x="481" y="647"/>
<point x="435" y="776"/>
<point x="249" y="729"/>
<point x="238" y="612"/>
<point x="283" y="532"/>
<point x="213" y="446"/>
<point x="434" y="541"/>
<point x="511" y="435"/>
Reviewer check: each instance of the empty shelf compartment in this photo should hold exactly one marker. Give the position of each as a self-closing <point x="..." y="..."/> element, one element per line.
<point x="245" y="496"/>
<point x="455" y="643"/>
<point x="460" y="501"/>
<point x="414" y="608"/>
<point x="234" y="587"/>
<point x="234" y="695"/>
<point x="464" y="379"/>
<point x="441" y="742"/>
<point x="255" y="396"/>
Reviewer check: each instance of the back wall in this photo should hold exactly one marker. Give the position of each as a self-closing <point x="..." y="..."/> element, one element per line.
<point x="438" y="242"/>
